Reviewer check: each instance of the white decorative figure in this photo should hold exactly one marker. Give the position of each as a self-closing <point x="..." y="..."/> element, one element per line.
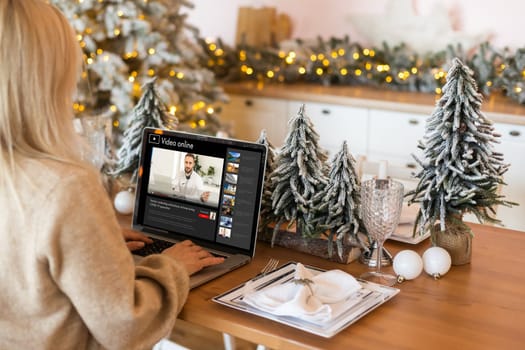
<point x="436" y="261"/>
<point x="400" y="23"/>
<point x="407" y="265"/>
<point x="124" y="202"/>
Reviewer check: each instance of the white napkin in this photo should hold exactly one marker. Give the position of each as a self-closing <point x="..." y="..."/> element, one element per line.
<point x="307" y="297"/>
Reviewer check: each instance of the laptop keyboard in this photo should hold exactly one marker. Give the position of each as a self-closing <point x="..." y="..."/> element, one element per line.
<point x="158" y="246"/>
<point x="153" y="248"/>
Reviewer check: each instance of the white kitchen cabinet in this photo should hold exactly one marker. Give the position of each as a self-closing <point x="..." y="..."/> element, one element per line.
<point x="335" y="124"/>
<point x="513" y="148"/>
<point x="247" y="116"/>
<point x="394" y="136"/>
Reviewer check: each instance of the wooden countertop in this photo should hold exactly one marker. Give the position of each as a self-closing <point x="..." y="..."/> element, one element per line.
<point x="480" y="305"/>
<point x="498" y="108"/>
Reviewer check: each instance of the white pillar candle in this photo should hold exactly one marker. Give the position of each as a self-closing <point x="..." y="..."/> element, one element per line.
<point x="382" y="172"/>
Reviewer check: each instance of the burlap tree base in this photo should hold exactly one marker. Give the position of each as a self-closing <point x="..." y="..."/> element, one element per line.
<point x="456" y="240"/>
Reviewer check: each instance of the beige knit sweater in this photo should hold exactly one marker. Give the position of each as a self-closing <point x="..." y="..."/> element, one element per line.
<point x="67" y="279"/>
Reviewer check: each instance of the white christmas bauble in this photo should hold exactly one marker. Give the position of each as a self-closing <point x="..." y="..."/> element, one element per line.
<point x="407" y="265"/>
<point x="436" y="261"/>
<point x="124" y="201"/>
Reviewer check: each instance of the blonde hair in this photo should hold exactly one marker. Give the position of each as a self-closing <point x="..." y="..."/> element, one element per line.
<point x="40" y="61"/>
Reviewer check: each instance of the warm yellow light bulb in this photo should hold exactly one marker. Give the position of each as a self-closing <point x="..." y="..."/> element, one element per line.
<point x="151" y="51"/>
<point x="301" y="70"/>
<point x="242" y="55"/>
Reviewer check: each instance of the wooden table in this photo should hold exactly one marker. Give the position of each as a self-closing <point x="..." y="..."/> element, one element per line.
<point x="476" y="306"/>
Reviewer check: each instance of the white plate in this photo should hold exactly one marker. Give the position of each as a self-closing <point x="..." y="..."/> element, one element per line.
<point x="368" y="298"/>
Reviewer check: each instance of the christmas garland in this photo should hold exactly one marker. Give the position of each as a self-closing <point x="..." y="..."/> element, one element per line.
<point x="339" y="61"/>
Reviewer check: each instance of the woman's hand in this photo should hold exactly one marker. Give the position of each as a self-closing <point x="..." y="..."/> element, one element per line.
<point x="192" y="256"/>
<point x="135" y="240"/>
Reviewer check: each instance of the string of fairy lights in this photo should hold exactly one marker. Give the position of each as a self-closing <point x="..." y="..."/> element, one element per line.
<point x="333" y="61"/>
<point x="342" y="62"/>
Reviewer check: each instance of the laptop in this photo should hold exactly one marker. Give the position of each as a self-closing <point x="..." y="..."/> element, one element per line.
<point x="202" y="188"/>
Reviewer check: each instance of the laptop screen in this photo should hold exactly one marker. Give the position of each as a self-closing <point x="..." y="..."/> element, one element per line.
<point x="202" y="188"/>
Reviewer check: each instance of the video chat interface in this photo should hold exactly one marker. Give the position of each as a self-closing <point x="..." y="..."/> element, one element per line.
<point x="227" y="215"/>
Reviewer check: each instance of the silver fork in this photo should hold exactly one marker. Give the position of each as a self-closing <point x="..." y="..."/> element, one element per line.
<point x="269" y="267"/>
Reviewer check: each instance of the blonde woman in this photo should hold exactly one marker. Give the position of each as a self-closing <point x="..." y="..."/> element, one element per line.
<point x="67" y="279"/>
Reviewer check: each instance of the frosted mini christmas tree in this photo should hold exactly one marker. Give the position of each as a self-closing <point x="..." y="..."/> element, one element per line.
<point x="337" y="205"/>
<point x="461" y="171"/>
<point x="298" y="176"/>
<point x="266" y="214"/>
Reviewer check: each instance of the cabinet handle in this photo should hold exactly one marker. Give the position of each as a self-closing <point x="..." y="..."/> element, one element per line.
<point x="514" y="133"/>
<point x="413" y="121"/>
<point x="248" y="103"/>
<point x="325" y="111"/>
